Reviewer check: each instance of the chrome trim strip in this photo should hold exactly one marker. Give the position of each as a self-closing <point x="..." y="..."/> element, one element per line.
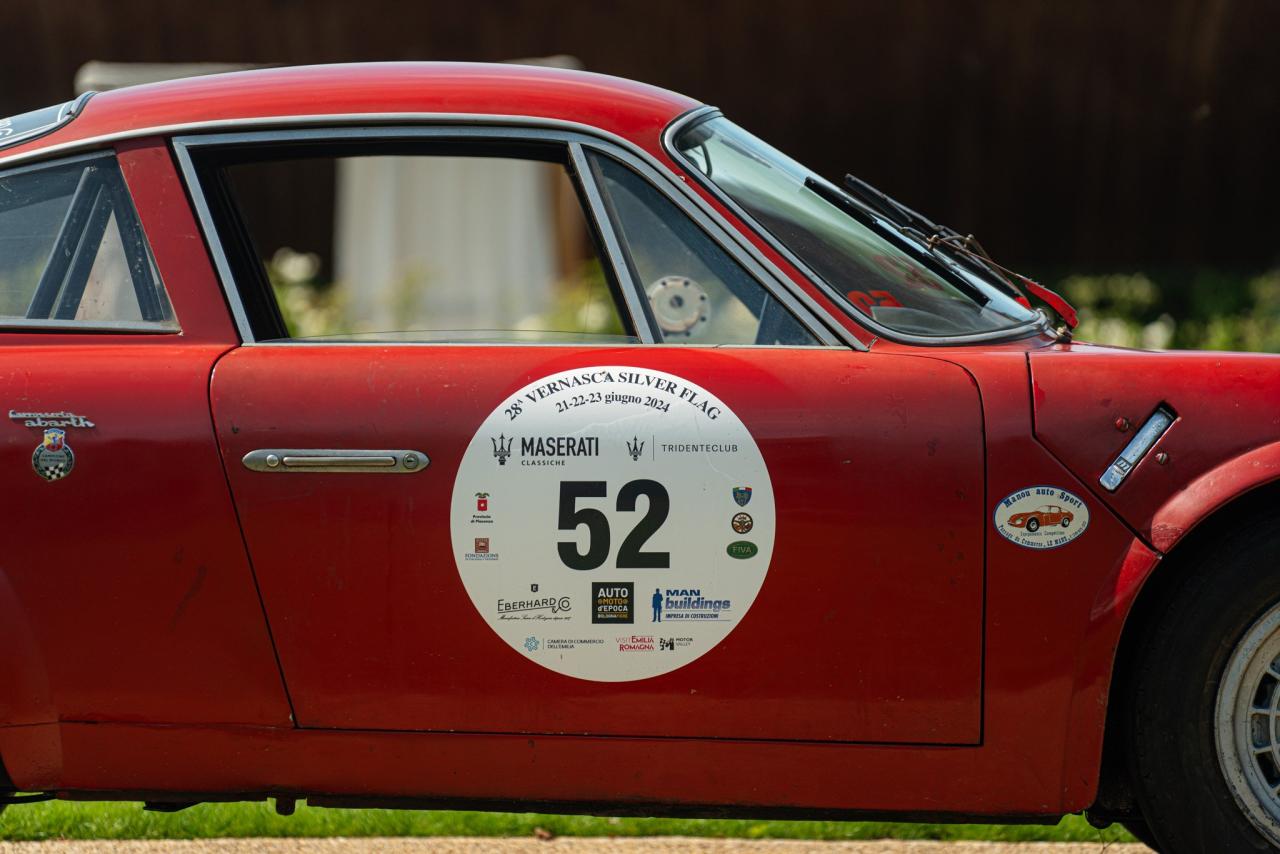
<point x="212" y="241"/>
<point x="827" y="330"/>
<point x="1043" y="325"/>
<point x="1150" y="432"/>
<point x="330" y="460"/>
<point x="42" y="325"/>
<point x="620" y="347"/>
<point x="68" y="111"/>
<point x="631" y="289"/>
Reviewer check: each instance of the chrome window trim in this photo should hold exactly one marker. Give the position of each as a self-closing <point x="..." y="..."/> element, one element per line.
<point x="8" y="325"/>
<point x="69" y="110"/>
<point x="698" y="114"/>
<point x="598" y="345"/>
<point x="612" y="245"/>
<point x="452" y="126"/>
<point x="18" y="325"/>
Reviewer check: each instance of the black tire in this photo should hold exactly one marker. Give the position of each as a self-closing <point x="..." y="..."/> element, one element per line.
<point x="1066" y="523"/>
<point x="1142" y="833"/>
<point x="1184" y="797"/>
<point x="1033" y="525"/>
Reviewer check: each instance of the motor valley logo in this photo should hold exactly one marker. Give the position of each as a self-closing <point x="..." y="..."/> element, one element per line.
<point x="593" y="511"/>
<point x="613" y="602"/>
<point x="554" y="450"/>
<point x="544" y="608"/>
<point x="1041" y="517"/>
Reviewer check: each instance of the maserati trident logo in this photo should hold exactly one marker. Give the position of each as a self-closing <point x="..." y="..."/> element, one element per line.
<point x="635" y="447"/>
<point x="502" y="448"/>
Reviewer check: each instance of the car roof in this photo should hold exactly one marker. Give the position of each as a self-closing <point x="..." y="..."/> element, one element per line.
<point x="635" y="111"/>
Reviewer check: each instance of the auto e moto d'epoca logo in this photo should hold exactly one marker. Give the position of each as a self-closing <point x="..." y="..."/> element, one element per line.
<point x="1041" y="517"/>
<point x="603" y="504"/>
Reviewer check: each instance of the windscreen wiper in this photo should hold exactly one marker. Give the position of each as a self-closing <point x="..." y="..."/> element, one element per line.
<point x="966" y="246"/>
<point x="858" y="209"/>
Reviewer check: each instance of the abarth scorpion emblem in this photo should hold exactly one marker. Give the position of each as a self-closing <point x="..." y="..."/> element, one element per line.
<point x="53" y="459"/>
<point x="502" y="448"/>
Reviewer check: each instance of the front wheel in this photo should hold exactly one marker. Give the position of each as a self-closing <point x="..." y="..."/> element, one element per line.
<point x="1205" y="712"/>
<point x="1033" y="525"/>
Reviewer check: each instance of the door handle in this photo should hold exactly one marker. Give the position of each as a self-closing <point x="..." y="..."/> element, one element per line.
<point x="330" y="460"/>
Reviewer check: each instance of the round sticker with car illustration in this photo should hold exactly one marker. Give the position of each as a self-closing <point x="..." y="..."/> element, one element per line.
<point x="1041" y="517"/>
<point x="612" y="546"/>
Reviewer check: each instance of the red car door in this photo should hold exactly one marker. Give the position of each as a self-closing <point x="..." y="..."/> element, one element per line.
<point x="729" y="541"/>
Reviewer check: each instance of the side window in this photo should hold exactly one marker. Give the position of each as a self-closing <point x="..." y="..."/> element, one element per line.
<point x="698" y="294"/>
<point x="72" y="251"/>
<point x="415" y="242"/>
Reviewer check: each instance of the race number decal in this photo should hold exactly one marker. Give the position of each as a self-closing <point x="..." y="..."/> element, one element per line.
<point x="612" y="523"/>
<point x="1041" y="517"/>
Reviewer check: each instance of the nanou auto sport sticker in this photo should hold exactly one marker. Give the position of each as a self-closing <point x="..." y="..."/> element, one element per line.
<point x="612" y="544"/>
<point x="1041" y="517"/>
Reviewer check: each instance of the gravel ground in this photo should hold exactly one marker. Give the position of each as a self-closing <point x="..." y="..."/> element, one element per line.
<point x="564" y="845"/>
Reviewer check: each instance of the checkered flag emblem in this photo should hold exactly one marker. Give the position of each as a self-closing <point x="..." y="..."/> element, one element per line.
<point x="53" y="459"/>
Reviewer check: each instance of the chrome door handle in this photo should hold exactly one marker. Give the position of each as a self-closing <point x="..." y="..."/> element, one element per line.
<point x="330" y="460"/>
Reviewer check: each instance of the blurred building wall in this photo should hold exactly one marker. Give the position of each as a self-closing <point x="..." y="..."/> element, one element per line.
<point x="1092" y="134"/>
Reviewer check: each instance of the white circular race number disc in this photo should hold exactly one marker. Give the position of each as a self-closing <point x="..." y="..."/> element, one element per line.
<point x="612" y="523"/>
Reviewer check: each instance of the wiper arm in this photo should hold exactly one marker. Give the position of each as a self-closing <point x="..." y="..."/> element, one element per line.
<point x="966" y="246"/>
<point x="861" y="211"/>
<point x="930" y="233"/>
<point x="891" y="208"/>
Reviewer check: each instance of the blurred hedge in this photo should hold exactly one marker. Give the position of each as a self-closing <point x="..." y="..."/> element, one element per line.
<point x="1198" y="310"/>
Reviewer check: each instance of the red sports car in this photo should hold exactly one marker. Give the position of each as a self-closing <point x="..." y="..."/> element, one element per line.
<point x="515" y="438"/>
<point x="1048" y="514"/>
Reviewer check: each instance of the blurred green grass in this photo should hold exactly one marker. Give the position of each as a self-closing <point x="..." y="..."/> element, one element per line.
<point x="73" y="820"/>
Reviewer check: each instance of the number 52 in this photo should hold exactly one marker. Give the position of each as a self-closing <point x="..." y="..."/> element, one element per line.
<point x="630" y="555"/>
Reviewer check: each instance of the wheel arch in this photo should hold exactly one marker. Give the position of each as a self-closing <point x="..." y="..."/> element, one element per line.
<point x="1186" y="537"/>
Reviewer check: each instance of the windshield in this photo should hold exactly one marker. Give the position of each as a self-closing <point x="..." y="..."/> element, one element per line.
<point x="876" y="270"/>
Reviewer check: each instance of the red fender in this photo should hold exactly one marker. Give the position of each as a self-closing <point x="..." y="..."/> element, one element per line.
<point x="1211" y="491"/>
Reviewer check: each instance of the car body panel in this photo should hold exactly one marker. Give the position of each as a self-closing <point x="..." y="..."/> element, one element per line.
<point x="376" y="632"/>
<point x="123" y="658"/>
<point x="1226" y="404"/>
<point x="130" y="574"/>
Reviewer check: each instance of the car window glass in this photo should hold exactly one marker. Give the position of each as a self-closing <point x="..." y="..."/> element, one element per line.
<point x="698" y="294"/>
<point x="72" y="250"/>
<point x="432" y="247"/>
